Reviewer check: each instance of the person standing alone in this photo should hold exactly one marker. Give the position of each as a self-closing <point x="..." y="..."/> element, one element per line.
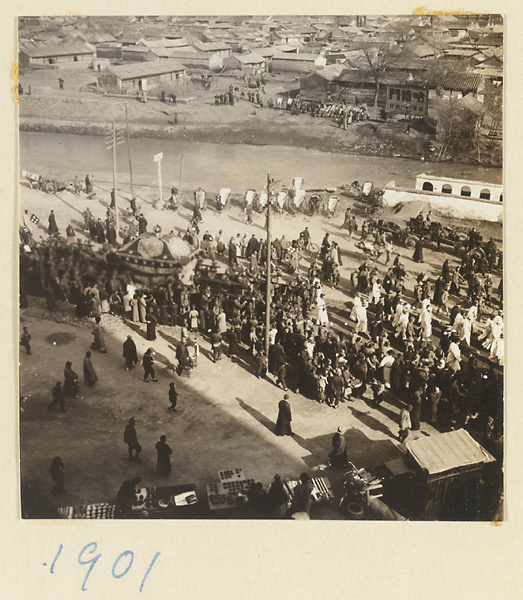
<point x="58" y="397"/>
<point x="129" y="353"/>
<point x="148" y="362"/>
<point x="405" y="423"/>
<point x="283" y="423"/>
<point x="53" y="227"/>
<point x="25" y="341"/>
<point x="173" y="397"/>
<point x="57" y="474"/>
<point x="164" y="452"/>
<point x="131" y="439"/>
<point x="90" y="376"/>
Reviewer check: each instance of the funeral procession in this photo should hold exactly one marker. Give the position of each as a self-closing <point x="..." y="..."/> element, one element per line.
<point x="261" y="267"/>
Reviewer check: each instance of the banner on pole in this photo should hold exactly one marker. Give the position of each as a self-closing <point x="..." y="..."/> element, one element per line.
<point x="158" y="157"/>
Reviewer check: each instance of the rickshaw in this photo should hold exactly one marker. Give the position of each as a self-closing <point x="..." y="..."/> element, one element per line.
<point x="222" y="199"/>
<point x="249" y="199"/>
<point x="370" y="250"/>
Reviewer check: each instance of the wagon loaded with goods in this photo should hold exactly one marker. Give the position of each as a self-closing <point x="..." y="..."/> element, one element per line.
<point x="432" y="232"/>
<point x="47" y="183"/>
<point x="367" y="197"/>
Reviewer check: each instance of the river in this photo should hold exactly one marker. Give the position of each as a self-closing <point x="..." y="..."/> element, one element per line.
<point x="238" y="166"/>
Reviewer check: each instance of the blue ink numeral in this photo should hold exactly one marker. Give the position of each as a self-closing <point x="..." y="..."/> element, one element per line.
<point x="149" y="570"/>
<point x="56" y="558"/>
<point x="92" y="561"/>
<point x="128" y="566"/>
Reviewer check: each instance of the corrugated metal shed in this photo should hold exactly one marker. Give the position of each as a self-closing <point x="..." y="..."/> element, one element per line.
<point x="446" y="451"/>
<point x="146" y="69"/>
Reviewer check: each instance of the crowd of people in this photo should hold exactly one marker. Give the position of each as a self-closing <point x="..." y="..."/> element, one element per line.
<point x="420" y="348"/>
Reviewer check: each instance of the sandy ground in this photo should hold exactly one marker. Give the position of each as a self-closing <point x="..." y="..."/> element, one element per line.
<point x="225" y="417"/>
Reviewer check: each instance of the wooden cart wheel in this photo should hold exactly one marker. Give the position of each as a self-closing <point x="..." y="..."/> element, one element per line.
<point x="50" y="187"/>
<point x="410" y="241"/>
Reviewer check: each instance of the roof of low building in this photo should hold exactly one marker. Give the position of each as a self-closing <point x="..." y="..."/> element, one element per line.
<point x="298" y="57"/>
<point x="249" y="59"/>
<point x="286" y="48"/>
<point x="268" y="51"/>
<point x="331" y="72"/>
<point x="145" y="69"/>
<point x="211" y="46"/>
<point x="181" y="54"/>
<point x="452" y="81"/>
<point x="447" y="451"/>
<point x="45" y="51"/>
<point x="137" y="49"/>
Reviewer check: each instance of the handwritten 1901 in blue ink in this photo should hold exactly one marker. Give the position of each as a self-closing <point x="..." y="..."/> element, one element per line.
<point x="87" y="557"/>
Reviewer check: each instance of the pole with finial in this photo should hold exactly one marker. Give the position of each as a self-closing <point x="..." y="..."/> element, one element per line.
<point x="269" y="256"/>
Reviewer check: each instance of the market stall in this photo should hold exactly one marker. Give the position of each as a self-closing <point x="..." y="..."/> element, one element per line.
<point x="101" y="510"/>
<point x="321" y="489"/>
<point x="230" y="491"/>
<point x="165" y="502"/>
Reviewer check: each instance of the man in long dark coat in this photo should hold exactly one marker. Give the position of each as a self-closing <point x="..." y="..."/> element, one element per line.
<point x="142" y="224"/>
<point x="418" y="251"/>
<point x="164" y="452"/>
<point x="252" y="247"/>
<point x="283" y="423"/>
<point x="129" y="353"/>
<point x="100" y="231"/>
<point x="131" y="439"/>
<point x="53" y="227"/>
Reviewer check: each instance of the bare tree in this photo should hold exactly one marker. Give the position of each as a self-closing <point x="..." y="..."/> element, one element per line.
<point x="403" y="32"/>
<point x="376" y="61"/>
<point x="456" y="127"/>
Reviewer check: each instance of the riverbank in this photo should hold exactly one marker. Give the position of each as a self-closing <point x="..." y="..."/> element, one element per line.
<point x="81" y="109"/>
<point x="265" y="128"/>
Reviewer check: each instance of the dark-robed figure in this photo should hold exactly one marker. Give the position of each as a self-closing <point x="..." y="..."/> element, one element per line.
<point x="125" y="497"/>
<point x="301" y="503"/>
<point x="283" y="423"/>
<point x="129" y="353"/>
<point x="70" y="381"/>
<point x="151" y="321"/>
<point x="57" y="475"/>
<point x="164" y="452"/>
<point x="90" y="376"/>
<point x="277" y="499"/>
<point x="53" y="227"/>
<point x="418" y="252"/>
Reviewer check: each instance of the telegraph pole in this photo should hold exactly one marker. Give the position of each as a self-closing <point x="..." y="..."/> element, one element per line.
<point x="129" y="149"/>
<point x="269" y="257"/>
<point x="113" y="139"/>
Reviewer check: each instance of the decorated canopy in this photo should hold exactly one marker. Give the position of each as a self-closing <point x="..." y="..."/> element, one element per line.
<point x="151" y="260"/>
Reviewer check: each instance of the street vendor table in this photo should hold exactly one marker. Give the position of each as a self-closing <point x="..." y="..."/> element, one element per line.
<point x="230" y="490"/>
<point x="88" y="511"/>
<point x="321" y="490"/>
<point x="228" y="494"/>
<point x="164" y="501"/>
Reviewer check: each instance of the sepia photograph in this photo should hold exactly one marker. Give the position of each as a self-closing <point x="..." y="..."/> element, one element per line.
<point x="261" y="267"/>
